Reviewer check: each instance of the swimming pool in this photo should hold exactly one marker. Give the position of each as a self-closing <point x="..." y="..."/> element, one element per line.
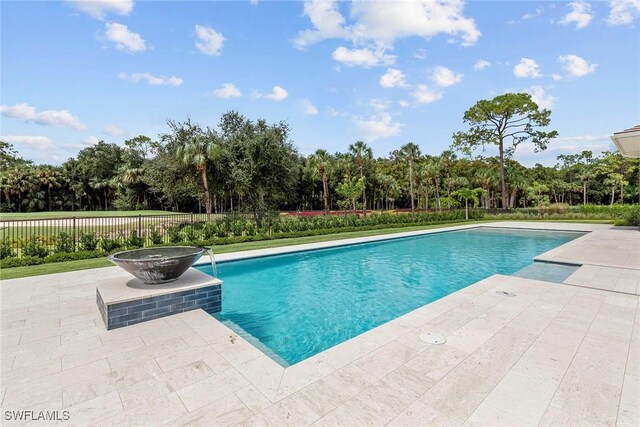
<point x="296" y="305"/>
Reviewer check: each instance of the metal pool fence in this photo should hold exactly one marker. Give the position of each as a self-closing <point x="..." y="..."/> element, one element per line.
<point x="17" y="234"/>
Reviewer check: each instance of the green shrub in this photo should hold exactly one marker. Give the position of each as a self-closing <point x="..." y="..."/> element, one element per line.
<point x="133" y="240"/>
<point x="189" y="233"/>
<point x="174" y="234"/>
<point x="64" y="242"/>
<point x="20" y="262"/>
<point x="72" y="256"/>
<point x="155" y="237"/>
<point x="35" y="248"/>
<point x="209" y="230"/>
<point x="250" y="228"/>
<point x="632" y="216"/>
<point x="109" y="245"/>
<point x="88" y="242"/>
<point x="6" y="251"/>
<point x="563" y="211"/>
<point x="237" y="227"/>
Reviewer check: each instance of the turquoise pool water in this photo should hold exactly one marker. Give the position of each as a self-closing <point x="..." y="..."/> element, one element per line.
<point x="299" y="304"/>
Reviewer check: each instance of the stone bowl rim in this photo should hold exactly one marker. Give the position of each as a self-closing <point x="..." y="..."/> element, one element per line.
<point x="198" y="251"/>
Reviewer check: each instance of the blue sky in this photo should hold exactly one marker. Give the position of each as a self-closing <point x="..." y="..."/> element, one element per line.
<point x="75" y="72"/>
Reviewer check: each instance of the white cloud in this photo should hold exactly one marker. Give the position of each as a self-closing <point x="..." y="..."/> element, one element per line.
<point x="37" y="142"/>
<point x="327" y="21"/>
<point x="277" y="94"/>
<point x="378" y="104"/>
<point x="527" y="68"/>
<point x="528" y="156"/>
<point x="209" y="40"/>
<point x="99" y="8"/>
<point x="556" y="77"/>
<point x="253" y="2"/>
<point x="532" y="15"/>
<point x="382" y="23"/>
<point x="580" y="14"/>
<point x="423" y="94"/>
<point x="90" y="140"/>
<point x="379" y="125"/>
<point x="228" y="90"/>
<point x="583" y="138"/>
<point x="576" y="66"/>
<point x="362" y="57"/>
<point x="444" y="77"/>
<point x="151" y="79"/>
<point x="385" y="22"/>
<point x="393" y="78"/>
<point x="403" y="103"/>
<point x="623" y="12"/>
<point x="540" y="97"/>
<point x="420" y="54"/>
<point x="27" y="113"/>
<point x="309" y="108"/>
<point x="124" y="39"/>
<point x="114" y="131"/>
<point x="481" y="64"/>
<point x="332" y="112"/>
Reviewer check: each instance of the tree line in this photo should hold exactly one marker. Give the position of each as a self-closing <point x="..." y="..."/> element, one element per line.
<point x="246" y="165"/>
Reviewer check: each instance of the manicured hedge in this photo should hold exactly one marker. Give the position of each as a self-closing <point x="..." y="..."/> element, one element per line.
<point x="272" y="227"/>
<point x="55" y="257"/>
<point x="224" y="232"/>
<point x="616" y="213"/>
<point x="632" y="216"/>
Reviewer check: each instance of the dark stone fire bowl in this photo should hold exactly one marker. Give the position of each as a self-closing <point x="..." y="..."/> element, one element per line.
<point x="158" y="265"/>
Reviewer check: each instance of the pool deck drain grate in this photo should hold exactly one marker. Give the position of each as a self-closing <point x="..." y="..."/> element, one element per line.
<point x="430" y="338"/>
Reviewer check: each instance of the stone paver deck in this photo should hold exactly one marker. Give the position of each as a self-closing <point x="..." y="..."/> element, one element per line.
<point x="552" y="355"/>
<point x="607" y="278"/>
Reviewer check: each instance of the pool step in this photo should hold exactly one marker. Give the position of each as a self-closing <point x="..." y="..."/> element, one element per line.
<point x="549" y="272"/>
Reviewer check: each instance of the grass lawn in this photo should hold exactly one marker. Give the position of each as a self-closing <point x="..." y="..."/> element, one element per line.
<point x="78" y="214"/>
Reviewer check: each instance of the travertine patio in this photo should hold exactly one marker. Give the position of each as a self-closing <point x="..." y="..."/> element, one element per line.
<point x="553" y="355"/>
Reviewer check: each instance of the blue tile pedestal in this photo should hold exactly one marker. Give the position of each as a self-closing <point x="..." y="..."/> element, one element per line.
<point x="125" y="301"/>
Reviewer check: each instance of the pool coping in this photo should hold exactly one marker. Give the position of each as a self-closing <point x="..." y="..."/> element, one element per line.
<point x="283" y="250"/>
<point x="331" y="244"/>
<point x="277" y="382"/>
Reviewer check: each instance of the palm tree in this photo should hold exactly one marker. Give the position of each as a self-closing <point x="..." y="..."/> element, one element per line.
<point x="197" y="151"/>
<point x="409" y="153"/>
<point x="424" y="180"/>
<point x="321" y="164"/>
<point x="487" y="177"/>
<point x="432" y="169"/>
<point x="101" y="185"/>
<point x="467" y="194"/>
<point x="49" y="179"/>
<point x="362" y="154"/>
<point x="447" y="159"/>
<point x="516" y="181"/>
<point x="391" y="189"/>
